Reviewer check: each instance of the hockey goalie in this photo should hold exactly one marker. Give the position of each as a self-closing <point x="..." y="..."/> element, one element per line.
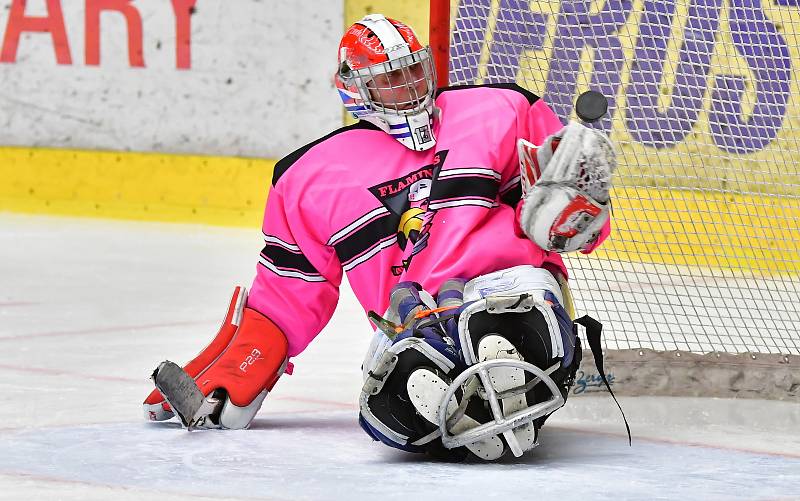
<point x="449" y="210"/>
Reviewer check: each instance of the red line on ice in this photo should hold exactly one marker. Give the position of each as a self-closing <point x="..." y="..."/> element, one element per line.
<point x="59" y="372"/>
<point x="264" y="413"/>
<point x="105" y="330"/>
<point x="317" y="401"/>
<point x="129" y="488"/>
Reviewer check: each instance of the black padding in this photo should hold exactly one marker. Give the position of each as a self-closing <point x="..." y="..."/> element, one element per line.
<point x="528" y="332"/>
<point x="283" y="164"/>
<point x="530" y="335"/>
<point x="437" y="451"/>
<point x="392" y="405"/>
<point x="530" y="96"/>
<point x="565" y="376"/>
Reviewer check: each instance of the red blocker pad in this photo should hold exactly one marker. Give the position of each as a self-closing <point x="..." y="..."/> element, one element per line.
<point x="252" y="362"/>
<point x="155" y="407"/>
<point x="245" y="359"/>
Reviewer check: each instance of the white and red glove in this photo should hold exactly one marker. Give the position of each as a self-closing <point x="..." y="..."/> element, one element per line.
<point x="241" y="365"/>
<point x="565" y="188"/>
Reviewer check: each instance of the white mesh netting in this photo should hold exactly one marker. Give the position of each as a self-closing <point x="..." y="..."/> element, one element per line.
<point x="705" y="254"/>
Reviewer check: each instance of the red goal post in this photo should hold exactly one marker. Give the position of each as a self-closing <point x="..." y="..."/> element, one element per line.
<point x="699" y="285"/>
<point x="439" y="39"/>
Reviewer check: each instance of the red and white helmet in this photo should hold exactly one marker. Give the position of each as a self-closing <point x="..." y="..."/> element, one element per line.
<point x="386" y="76"/>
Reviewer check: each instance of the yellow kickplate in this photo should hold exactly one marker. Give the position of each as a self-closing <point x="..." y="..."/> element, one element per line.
<point x="748" y="233"/>
<point x="141" y="186"/>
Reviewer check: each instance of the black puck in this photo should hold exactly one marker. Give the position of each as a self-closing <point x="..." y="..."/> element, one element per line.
<point x="591" y="106"/>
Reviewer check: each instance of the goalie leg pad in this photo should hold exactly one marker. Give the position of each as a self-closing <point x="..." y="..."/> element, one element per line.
<point x="537" y="324"/>
<point x="493" y="347"/>
<point x="427" y="390"/>
<point x="387" y="411"/>
<point x="401" y="398"/>
<point x="516" y="314"/>
<point x="406" y="377"/>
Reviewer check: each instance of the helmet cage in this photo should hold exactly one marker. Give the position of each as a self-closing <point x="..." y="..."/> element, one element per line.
<point x="394" y="87"/>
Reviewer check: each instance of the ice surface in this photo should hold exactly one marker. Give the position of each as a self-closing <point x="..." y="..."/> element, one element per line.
<point x="88" y="308"/>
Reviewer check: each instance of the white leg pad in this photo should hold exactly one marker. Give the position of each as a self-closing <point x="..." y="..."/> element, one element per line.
<point x="426" y="390"/>
<point x="493" y="347"/>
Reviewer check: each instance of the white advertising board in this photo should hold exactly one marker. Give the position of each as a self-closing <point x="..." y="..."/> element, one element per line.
<point x="209" y="77"/>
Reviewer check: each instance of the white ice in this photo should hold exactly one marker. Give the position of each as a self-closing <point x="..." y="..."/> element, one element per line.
<point x="88" y="308"/>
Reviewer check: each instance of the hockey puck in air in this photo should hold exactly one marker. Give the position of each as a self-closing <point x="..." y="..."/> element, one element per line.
<point x="591" y="106"/>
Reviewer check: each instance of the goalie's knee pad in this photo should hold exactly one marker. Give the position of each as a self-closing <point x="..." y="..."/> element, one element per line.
<point x="419" y="388"/>
<point x="525" y="305"/>
<point x="520" y="344"/>
<point x="405" y="381"/>
<point x="407" y="372"/>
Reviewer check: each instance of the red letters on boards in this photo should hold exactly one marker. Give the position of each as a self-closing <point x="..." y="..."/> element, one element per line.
<point x="18" y="23"/>
<point x="53" y="23"/>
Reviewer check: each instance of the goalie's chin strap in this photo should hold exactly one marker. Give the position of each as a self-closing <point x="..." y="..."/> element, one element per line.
<point x="593" y="331"/>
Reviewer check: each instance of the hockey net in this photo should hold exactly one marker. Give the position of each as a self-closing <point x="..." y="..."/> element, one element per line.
<point x="704" y="259"/>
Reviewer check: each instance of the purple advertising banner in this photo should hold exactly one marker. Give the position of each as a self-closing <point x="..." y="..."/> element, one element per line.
<point x="654" y="69"/>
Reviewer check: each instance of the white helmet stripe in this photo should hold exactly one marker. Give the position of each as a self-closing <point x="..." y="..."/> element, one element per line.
<point x="391" y="39"/>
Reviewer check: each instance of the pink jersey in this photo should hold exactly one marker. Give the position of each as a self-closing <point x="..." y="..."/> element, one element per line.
<point x="358" y="201"/>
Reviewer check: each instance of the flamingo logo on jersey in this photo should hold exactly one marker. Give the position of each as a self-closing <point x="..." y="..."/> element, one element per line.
<point x="408" y="198"/>
<point x="413" y="219"/>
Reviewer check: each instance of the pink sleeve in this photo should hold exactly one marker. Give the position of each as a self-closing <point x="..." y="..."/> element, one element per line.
<point x="298" y="276"/>
<point x="542" y="122"/>
<point x="604" y="233"/>
<point x="534" y="123"/>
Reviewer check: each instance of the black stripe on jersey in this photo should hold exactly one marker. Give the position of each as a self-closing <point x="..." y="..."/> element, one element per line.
<point x="283" y="164"/>
<point x="532" y="98"/>
<point x="512" y="196"/>
<point x="464" y="187"/>
<point x="366" y="237"/>
<point x="288" y="260"/>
